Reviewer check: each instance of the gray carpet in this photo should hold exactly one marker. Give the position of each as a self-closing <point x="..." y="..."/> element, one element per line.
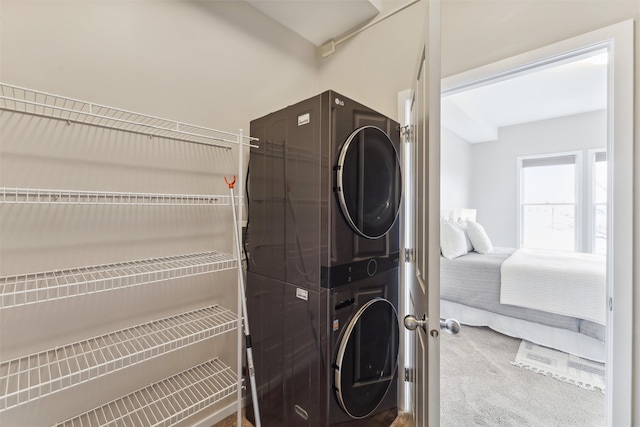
<point x="479" y="387"/>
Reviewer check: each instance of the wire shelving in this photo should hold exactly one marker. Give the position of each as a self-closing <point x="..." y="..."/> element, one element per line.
<point x="37" y="375"/>
<point x="29" y="101"/>
<point x="73" y="197"/>
<point x="166" y="402"/>
<point x="59" y="284"/>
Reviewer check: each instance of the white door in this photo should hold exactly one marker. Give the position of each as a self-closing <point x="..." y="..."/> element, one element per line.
<point x="423" y="272"/>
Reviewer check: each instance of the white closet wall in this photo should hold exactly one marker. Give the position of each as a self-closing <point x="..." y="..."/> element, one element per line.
<point x="375" y="65"/>
<point x="212" y="63"/>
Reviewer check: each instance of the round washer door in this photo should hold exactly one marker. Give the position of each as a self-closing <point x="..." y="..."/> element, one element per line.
<point x="369" y="182"/>
<point x="367" y="358"/>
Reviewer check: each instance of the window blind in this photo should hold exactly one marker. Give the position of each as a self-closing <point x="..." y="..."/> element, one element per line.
<point x="551" y="161"/>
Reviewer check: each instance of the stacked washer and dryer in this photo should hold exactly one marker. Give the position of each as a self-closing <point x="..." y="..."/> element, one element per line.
<point x="324" y="195"/>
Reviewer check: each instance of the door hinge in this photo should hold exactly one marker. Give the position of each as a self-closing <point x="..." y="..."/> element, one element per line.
<point x="409" y="375"/>
<point x="404" y="132"/>
<point x="408" y="254"/>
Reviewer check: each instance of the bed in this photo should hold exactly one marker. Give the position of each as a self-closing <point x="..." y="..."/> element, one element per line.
<point x="534" y="305"/>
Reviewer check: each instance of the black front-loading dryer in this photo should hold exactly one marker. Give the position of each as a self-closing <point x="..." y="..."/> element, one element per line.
<point x="367" y="181"/>
<point x="325" y="190"/>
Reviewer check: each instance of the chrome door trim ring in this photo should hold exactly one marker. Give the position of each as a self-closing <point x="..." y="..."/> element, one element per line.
<point x="344" y="340"/>
<point x="339" y="186"/>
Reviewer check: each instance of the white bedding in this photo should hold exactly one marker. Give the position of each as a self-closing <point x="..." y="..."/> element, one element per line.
<point x="566" y="283"/>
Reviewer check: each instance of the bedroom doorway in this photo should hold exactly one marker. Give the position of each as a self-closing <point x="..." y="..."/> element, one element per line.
<point x="505" y="224"/>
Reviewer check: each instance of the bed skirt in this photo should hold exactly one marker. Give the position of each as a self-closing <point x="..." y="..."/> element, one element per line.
<point x="561" y="339"/>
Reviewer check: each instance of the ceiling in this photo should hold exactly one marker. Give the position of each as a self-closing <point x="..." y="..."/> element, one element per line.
<point x="562" y="89"/>
<point x="319" y="21"/>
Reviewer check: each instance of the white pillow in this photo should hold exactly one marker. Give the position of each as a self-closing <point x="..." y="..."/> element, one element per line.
<point x="462" y="225"/>
<point x="452" y="241"/>
<point x="479" y="238"/>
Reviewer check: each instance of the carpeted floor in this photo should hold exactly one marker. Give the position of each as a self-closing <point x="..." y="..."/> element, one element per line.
<point x="480" y="387"/>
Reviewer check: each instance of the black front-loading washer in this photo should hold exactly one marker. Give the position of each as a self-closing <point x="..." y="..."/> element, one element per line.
<point x="364" y="348"/>
<point x="327" y="358"/>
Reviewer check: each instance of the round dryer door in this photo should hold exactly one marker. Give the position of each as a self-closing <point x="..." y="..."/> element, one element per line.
<point x="369" y="182"/>
<point x="367" y="358"/>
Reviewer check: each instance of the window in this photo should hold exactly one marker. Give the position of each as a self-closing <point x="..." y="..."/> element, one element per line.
<point x="548" y="211"/>
<point x="599" y="205"/>
<point x="563" y="204"/>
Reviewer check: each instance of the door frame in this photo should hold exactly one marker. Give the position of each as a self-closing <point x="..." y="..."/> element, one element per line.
<point x="618" y="39"/>
<point x="421" y="270"/>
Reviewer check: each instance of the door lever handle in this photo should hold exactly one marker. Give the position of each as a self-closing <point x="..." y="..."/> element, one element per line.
<point x="450" y="326"/>
<point x="412" y="323"/>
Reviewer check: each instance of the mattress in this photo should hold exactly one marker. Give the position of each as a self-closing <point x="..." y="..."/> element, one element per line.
<point x="474" y="280"/>
<point x="569" y="283"/>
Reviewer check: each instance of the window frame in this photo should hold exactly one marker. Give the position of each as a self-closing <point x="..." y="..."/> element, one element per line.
<point x="590" y="206"/>
<point x="579" y="199"/>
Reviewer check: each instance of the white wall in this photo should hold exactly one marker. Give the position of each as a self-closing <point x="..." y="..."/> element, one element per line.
<point x="494" y="187"/>
<point x="456" y="173"/>
<point x="217" y="63"/>
<point x="376" y="64"/>
<point x="480" y="32"/>
<point x="214" y="63"/>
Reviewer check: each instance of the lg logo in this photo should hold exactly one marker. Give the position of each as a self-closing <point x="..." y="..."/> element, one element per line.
<point x="339" y="102"/>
